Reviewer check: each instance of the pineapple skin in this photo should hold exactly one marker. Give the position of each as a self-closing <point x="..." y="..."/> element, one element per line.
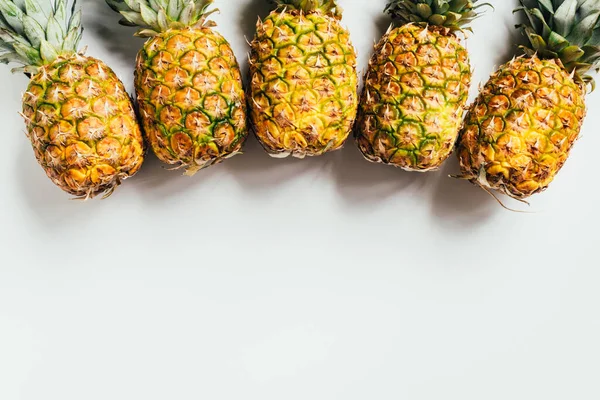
<point x="416" y="90"/>
<point x="520" y="131"/>
<point x="82" y="126"/>
<point x="303" y="84"/>
<point x="191" y="98"/>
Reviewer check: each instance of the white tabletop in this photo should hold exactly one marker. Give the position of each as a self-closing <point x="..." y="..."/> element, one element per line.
<point x="325" y="278"/>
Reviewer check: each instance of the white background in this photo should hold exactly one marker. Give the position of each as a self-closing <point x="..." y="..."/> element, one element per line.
<point x="326" y="278"/>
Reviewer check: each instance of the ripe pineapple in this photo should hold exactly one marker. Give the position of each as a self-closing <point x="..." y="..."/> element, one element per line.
<point x="417" y="85"/>
<point x="79" y="118"/>
<point x="520" y="131"/>
<point x="303" y="79"/>
<point x="188" y="83"/>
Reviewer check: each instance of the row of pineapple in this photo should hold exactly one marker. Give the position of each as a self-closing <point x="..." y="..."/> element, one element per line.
<point x="302" y="100"/>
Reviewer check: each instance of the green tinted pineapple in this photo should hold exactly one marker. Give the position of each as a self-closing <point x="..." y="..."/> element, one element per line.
<point x="417" y="85"/>
<point x="303" y="79"/>
<point x="188" y="83"/>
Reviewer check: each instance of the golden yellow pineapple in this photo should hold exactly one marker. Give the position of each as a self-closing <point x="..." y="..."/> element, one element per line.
<point x="417" y="85"/>
<point x="303" y="79"/>
<point x="519" y="133"/>
<point x="188" y="83"/>
<point x="79" y="118"/>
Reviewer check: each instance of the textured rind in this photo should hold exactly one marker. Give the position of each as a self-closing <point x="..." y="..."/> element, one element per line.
<point x="519" y="132"/>
<point x="191" y="98"/>
<point x="82" y="126"/>
<point x="303" y="84"/>
<point x="415" y="93"/>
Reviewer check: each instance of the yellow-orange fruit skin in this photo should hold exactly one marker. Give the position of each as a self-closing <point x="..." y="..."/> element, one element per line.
<point x="520" y="131"/>
<point x="303" y="84"/>
<point x="414" y="99"/>
<point x="191" y="98"/>
<point x="82" y="126"/>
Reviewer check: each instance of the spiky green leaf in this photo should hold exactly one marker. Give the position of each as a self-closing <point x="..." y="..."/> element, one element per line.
<point x="456" y="15"/>
<point x="35" y="32"/>
<point x="153" y="16"/>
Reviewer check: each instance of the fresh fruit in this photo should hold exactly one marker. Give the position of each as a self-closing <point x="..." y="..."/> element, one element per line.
<point x="188" y="83"/>
<point x="79" y="117"/>
<point x="520" y="131"/>
<point x="417" y="85"/>
<point x="303" y="79"/>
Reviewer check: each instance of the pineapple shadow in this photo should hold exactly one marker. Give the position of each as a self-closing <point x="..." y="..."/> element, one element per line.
<point x="362" y="182"/>
<point x="515" y="39"/>
<point x="249" y="15"/>
<point x="382" y="24"/>
<point x="158" y="181"/>
<point x="510" y="47"/>
<point x="50" y="205"/>
<point x="460" y="204"/>
<point x="256" y="171"/>
<point x="118" y="39"/>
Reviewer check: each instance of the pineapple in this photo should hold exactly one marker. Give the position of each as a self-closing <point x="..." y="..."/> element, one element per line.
<point x="78" y="115"/>
<point x="188" y="83"/>
<point x="417" y="85"/>
<point x="520" y="131"/>
<point x="303" y="79"/>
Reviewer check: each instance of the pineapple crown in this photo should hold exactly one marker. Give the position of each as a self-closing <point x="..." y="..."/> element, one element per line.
<point x="568" y="30"/>
<point x="455" y="15"/>
<point x="34" y="33"/>
<point x="155" y="16"/>
<point x="325" y="6"/>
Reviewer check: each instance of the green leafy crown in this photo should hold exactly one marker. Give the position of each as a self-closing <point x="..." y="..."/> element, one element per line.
<point x="568" y="30"/>
<point x="455" y="15"/>
<point x="34" y="33"/>
<point x="325" y="6"/>
<point x="155" y="16"/>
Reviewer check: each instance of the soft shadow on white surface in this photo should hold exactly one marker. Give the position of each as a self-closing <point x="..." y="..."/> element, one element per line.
<point x="158" y="181"/>
<point x="44" y="200"/>
<point x="250" y="13"/>
<point x="246" y="28"/>
<point x="458" y="204"/>
<point x="382" y="23"/>
<point x="101" y="22"/>
<point x="503" y="54"/>
<point x="256" y="171"/>
<point x="360" y="182"/>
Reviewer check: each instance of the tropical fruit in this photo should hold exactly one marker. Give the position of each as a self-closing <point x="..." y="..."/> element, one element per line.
<point x="417" y="85"/>
<point x="188" y="83"/>
<point x="520" y="130"/>
<point x="303" y="79"/>
<point x="79" y="118"/>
